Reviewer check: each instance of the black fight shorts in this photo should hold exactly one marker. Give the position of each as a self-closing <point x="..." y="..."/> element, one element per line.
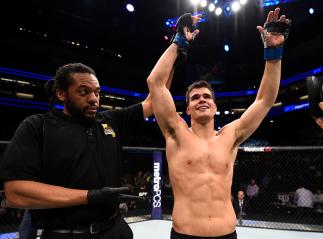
<point x="176" y="235"/>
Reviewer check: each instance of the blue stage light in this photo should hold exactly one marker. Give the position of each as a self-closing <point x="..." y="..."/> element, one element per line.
<point x="296" y="107"/>
<point x="268" y="3"/>
<point x="30" y="75"/>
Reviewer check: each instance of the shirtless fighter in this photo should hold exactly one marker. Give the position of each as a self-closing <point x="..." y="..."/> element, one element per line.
<point x="200" y="159"/>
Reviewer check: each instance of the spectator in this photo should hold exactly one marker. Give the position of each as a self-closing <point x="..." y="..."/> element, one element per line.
<point x="252" y="192"/>
<point x="252" y="189"/>
<point x="304" y="200"/>
<point x="139" y="180"/>
<point x="241" y="204"/>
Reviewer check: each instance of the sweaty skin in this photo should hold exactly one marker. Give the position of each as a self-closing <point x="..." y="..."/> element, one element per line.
<point x="200" y="160"/>
<point x="201" y="175"/>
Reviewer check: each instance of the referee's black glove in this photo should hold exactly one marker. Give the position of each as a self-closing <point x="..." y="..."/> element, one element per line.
<point x="108" y="194"/>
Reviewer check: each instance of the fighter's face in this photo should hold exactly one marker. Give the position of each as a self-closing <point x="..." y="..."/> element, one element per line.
<point x="82" y="98"/>
<point x="201" y="104"/>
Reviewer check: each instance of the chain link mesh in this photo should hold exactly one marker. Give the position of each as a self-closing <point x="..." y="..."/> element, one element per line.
<point x="288" y="195"/>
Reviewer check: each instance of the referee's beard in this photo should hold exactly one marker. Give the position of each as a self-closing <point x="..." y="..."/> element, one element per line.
<point x="79" y="113"/>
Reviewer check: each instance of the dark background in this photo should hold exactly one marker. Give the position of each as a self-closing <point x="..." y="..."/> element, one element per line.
<point x="37" y="36"/>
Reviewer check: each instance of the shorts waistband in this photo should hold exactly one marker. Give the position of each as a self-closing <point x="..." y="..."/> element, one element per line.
<point x="177" y="235"/>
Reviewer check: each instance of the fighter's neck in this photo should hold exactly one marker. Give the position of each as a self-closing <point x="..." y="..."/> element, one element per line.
<point x="204" y="131"/>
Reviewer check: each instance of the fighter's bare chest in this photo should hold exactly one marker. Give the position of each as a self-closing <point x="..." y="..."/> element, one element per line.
<point x="204" y="157"/>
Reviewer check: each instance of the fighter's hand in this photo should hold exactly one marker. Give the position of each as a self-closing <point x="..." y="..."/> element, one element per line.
<point x="191" y="35"/>
<point x="185" y="33"/>
<point x="273" y="39"/>
<point x="319" y="121"/>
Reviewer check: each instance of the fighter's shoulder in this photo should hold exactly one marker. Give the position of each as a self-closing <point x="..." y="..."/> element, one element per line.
<point x="182" y="122"/>
<point x="228" y="128"/>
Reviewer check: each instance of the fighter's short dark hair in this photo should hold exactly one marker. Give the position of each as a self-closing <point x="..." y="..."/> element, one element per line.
<point x="197" y="85"/>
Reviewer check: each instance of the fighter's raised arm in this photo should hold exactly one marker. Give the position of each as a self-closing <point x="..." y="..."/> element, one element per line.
<point x="274" y="34"/>
<point x="163" y="104"/>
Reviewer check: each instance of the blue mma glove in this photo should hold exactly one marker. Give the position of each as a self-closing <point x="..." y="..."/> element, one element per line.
<point x="179" y="38"/>
<point x="273" y="53"/>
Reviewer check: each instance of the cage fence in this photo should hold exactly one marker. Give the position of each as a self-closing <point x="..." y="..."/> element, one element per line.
<point x="278" y="188"/>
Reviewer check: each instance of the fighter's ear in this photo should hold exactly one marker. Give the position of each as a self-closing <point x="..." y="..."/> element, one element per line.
<point x="60" y="94"/>
<point x="215" y="108"/>
<point x="188" y="111"/>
